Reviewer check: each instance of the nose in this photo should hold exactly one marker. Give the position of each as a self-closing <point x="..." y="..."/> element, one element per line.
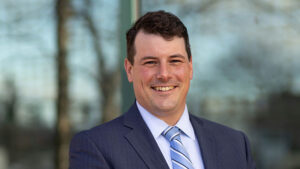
<point x="163" y="72"/>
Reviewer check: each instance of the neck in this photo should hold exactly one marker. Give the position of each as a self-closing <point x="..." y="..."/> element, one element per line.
<point x="171" y="118"/>
<point x="170" y="121"/>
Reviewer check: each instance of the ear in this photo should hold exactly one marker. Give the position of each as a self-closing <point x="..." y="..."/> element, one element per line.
<point x="128" y="68"/>
<point x="191" y="67"/>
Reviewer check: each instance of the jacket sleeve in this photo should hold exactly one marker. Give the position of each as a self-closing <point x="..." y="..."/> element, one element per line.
<point x="250" y="161"/>
<point x="84" y="154"/>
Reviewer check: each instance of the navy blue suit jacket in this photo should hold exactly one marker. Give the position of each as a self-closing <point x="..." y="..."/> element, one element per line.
<point x="127" y="143"/>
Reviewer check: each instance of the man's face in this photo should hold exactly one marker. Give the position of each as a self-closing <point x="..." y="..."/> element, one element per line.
<point x="161" y="74"/>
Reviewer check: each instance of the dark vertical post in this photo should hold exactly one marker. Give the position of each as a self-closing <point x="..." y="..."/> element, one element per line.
<point x="129" y="13"/>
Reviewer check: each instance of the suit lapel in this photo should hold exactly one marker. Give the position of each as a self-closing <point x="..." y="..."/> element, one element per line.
<point x="206" y="143"/>
<point x="142" y="140"/>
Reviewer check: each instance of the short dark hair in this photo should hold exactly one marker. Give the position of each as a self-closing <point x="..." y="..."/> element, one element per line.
<point x="160" y="22"/>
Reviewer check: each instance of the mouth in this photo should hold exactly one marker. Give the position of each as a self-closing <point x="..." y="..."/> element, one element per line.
<point x="163" y="88"/>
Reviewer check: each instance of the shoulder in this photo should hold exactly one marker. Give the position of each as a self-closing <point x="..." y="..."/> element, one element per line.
<point x="92" y="147"/>
<point x="217" y="130"/>
<point x="111" y="132"/>
<point x="230" y="144"/>
<point x="102" y="133"/>
<point x="208" y="124"/>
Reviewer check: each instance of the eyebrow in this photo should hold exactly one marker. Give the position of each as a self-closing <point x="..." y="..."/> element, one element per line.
<point x="177" y="55"/>
<point x="148" y="57"/>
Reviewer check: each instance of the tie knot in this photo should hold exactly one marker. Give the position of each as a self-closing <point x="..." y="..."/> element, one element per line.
<point x="171" y="132"/>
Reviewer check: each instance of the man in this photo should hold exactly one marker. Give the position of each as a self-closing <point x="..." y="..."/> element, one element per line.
<point x="157" y="132"/>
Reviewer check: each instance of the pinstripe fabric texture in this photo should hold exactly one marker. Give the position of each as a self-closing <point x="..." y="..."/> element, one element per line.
<point x="179" y="156"/>
<point x="127" y="143"/>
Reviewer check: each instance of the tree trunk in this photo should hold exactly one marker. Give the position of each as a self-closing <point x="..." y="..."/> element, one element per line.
<point x="62" y="138"/>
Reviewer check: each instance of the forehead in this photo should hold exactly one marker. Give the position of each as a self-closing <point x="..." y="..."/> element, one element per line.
<point x="147" y="44"/>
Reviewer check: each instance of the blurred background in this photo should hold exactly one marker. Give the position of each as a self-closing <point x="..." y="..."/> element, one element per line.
<point x="61" y="71"/>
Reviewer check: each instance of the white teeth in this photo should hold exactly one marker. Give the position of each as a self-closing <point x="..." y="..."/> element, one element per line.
<point x="167" y="88"/>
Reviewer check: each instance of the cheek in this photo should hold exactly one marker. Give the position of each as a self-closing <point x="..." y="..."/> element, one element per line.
<point x="183" y="74"/>
<point x="146" y="75"/>
<point x="142" y="78"/>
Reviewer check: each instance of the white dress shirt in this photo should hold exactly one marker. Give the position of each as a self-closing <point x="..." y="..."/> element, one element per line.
<point x="188" y="138"/>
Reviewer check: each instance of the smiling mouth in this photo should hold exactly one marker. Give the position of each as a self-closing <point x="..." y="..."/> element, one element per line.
<point x="163" y="88"/>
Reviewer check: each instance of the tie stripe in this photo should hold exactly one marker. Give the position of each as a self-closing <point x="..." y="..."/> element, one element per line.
<point x="166" y="130"/>
<point x="176" y="164"/>
<point x="179" y="156"/>
<point x="173" y="136"/>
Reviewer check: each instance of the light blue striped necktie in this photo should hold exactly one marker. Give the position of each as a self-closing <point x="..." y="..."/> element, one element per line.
<point x="179" y="156"/>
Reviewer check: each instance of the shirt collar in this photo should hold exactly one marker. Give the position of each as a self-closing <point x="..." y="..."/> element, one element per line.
<point x="185" y="125"/>
<point x="157" y="126"/>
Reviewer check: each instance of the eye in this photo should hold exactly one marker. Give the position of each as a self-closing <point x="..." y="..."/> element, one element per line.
<point x="175" y="61"/>
<point x="152" y="62"/>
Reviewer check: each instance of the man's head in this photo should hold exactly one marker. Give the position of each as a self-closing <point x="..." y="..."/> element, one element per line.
<point x="161" y="64"/>
<point x="160" y="23"/>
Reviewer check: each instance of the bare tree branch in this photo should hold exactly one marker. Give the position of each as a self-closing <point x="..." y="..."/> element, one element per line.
<point x="107" y="80"/>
